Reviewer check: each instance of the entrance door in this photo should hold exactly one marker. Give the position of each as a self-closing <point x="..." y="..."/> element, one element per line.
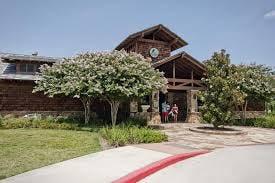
<point x="179" y="98"/>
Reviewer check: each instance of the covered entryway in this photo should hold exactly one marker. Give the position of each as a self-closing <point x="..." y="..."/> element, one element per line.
<point x="184" y="75"/>
<point x="175" y="97"/>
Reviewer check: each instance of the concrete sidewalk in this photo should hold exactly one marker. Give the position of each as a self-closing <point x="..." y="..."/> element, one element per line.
<point x="101" y="167"/>
<point x="242" y="164"/>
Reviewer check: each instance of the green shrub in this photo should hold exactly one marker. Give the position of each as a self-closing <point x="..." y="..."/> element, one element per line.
<point x="126" y="134"/>
<point x="12" y="123"/>
<point x="247" y="122"/>
<point x="44" y="123"/>
<point x="135" y="122"/>
<point x="268" y="121"/>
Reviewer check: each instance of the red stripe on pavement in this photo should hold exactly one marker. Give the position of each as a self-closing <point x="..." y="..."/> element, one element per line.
<point x="141" y="173"/>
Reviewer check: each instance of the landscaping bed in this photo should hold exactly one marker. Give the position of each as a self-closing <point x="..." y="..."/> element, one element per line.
<point x="126" y="134"/>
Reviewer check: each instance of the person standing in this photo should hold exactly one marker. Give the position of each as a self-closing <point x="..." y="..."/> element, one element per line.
<point x="168" y="107"/>
<point x="175" y="111"/>
<point x="164" y="111"/>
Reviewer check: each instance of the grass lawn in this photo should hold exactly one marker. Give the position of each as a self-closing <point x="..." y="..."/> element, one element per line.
<point x="26" y="149"/>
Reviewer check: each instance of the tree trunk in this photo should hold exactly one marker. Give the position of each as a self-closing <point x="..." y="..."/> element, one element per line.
<point x="244" y="112"/>
<point x="114" y="108"/>
<point x="216" y="126"/>
<point x="86" y="101"/>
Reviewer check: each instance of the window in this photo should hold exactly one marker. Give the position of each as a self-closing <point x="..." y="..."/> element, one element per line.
<point x="23" y="68"/>
<point x="28" y="68"/>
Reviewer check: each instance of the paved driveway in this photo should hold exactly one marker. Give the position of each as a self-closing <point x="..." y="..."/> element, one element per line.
<point x="245" y="164"/>
<point x="180" y="136"/>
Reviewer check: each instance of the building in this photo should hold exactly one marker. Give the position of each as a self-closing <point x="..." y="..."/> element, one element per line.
<point x="184" y="73"/>
<point x="18" y="73"/>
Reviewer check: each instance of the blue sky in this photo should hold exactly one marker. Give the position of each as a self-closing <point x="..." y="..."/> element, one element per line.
<point x="245" y="28"/>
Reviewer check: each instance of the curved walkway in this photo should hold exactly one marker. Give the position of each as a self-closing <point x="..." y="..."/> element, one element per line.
<point x="180" y="136"/>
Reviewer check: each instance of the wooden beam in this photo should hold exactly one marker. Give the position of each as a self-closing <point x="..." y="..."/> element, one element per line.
<point x="188" y="65"/>
<point x="142" y="35"/>
<point x="170" y="34"/>
<point x="174" y="73"/>
<point x="194" y="62"/>
<point x="153" y="41"/>
<point x="154" y="34"/>
<point x="199" y="84"/>
<point x="192" y="78"/>
<point x="185" y="88"/>
<point x="183" y="84"/>
<point x="184" y="80"/>
<point x="173" y="42"/>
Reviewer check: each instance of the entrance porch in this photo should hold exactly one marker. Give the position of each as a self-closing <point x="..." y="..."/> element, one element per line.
<point x="184" y="75"/>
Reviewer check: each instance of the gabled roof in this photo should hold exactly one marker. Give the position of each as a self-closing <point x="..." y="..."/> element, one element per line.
<point x="8" y="68"/>
<point x="158" y="31"/>
<point x="182" y="54"/>
<point x="8" y="57"/>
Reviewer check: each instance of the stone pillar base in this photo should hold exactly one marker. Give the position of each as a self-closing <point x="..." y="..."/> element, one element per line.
<point x="155" y="119"/>
<point x="133" y="114"/>
<point x="193" y="117"/>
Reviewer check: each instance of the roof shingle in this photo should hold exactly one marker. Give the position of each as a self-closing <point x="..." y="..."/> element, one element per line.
<point x="8" y="70"/>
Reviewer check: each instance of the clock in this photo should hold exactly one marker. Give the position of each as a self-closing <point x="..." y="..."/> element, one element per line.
<point x="154" y="52"/>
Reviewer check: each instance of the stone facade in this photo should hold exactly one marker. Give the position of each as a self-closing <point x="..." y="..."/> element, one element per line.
<point x="17" y="98"/>
<point x="193" y="116"/>
<point x="250" y="114"/>
<point x="155" y="117"/>
<point x="133" y="108"/>
<point x="144" y="46"/>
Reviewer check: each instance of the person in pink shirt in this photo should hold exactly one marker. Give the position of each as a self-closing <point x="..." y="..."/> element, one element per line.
<point x="175" y="111"/>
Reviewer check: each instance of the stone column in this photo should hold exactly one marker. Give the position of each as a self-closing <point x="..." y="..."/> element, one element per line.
<point x="193" y="116"/>
<point x="155" y="117"/>
<point x="133" y="108"/>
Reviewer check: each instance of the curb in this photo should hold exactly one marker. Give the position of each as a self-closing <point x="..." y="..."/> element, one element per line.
<point x="143" y="172"/>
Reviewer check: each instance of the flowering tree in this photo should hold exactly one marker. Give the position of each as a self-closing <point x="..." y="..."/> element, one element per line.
<point x="73" y="77"/>
<point x="254" y="82"/>
<point x="113" y="76"/>
<point x="231" y="86"/>
<point x="126" y="75"/>
<point x="222" y="93"/>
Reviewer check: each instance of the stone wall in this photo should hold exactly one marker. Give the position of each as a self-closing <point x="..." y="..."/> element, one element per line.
<point x="250" y="114"/>
<point x="43" y="113"/>
<point x="17" y="97"/>
<point x="144" y="46"/>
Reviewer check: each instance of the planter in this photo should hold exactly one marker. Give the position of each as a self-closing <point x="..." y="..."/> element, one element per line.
<point x="220" y="131"/>
<point x="145" y="108"/>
